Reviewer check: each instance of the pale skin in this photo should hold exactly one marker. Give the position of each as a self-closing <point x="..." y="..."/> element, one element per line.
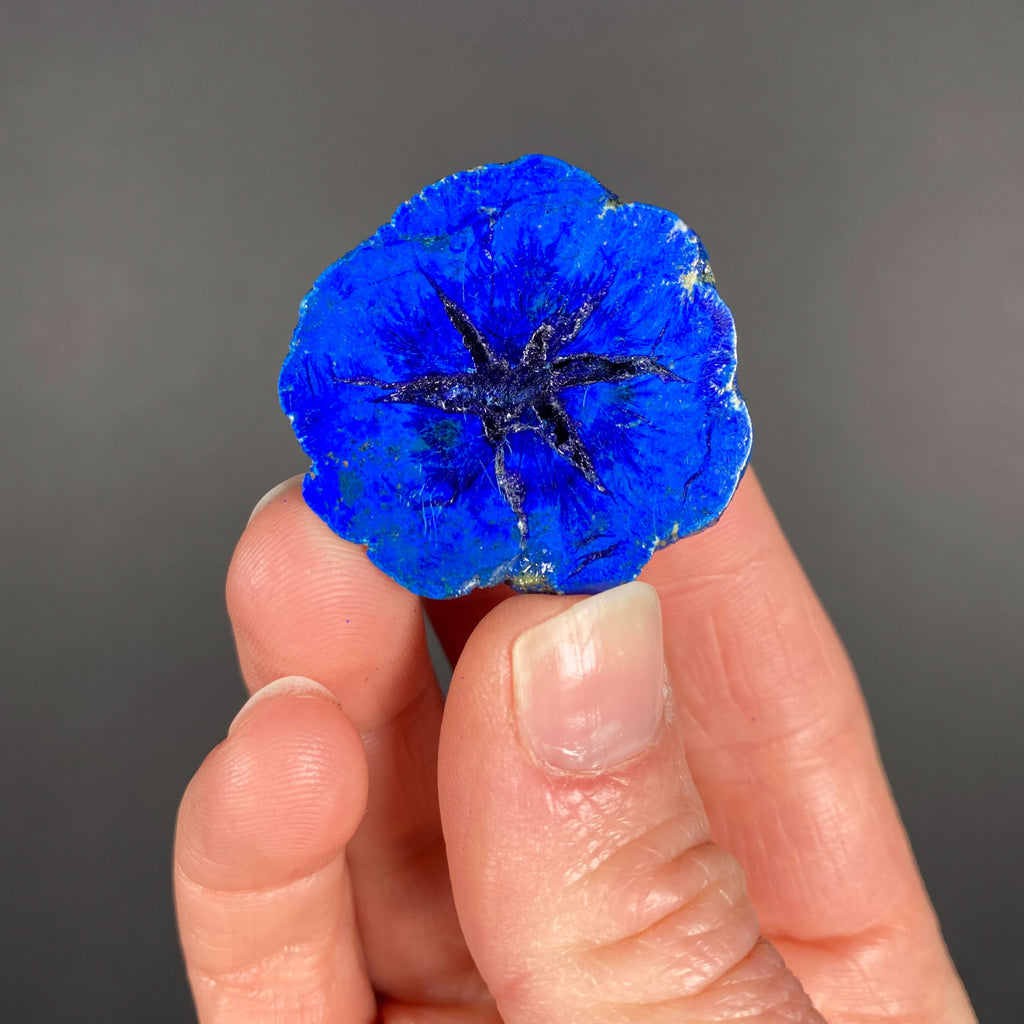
<point x="357" y="851"/>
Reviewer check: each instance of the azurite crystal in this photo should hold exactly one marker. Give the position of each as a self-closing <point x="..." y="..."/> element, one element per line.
<point x="522" y="379"/>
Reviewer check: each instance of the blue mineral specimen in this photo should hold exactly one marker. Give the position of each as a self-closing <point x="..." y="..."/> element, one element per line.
<point x="520" y="378"/>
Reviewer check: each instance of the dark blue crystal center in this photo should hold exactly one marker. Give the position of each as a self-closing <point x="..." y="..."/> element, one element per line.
<point x="510" y="397"/>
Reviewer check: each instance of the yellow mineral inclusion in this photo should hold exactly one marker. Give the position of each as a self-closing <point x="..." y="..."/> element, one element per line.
<point x="611" y="203"/>
<point x="698" y="275"/>
<point x="531" y="581"/>
<point x="670" y="539"/>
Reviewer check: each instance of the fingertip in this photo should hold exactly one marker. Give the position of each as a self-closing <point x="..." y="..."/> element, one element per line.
<point x="303" y="600"/>
<point x="279" y="797"/>
<point x="300" y="686"/>
<point x="282" y="491"/>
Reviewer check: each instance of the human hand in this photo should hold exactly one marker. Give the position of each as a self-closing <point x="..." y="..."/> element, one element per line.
<point x="347" y="856"/>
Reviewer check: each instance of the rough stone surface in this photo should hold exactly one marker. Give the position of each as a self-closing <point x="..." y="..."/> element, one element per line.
<point x="519" y="378"/>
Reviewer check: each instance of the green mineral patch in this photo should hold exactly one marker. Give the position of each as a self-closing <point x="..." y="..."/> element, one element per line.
<point x="441" y="433"/>
<point x="532" y="582"/>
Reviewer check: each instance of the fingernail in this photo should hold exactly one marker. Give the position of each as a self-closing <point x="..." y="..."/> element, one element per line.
<point x="589" y="684"/>
<point x="273" y="493"/>
<point x="279" y="687"/>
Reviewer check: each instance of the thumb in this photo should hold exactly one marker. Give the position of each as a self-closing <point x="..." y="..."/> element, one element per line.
<point x="585" y="881"/>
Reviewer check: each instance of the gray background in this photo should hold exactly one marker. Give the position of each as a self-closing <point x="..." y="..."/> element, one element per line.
<point x="175" y="175"/>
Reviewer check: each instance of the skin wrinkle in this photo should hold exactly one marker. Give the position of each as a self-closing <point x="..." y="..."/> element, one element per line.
<point x="684" y="953"/>
<point x="842" y="833"/>
<point x="857" y="960"/>
<point x="757" y="977"/>
<point x="604" y="843"/>
<point x="871" y="991"/>
<point x="787" y="855"/>
<point x="723" y="877"/>
<point x="715" y="909"/>
<point x="258" y="894"/>
<point x="256" y="981"/>
<point x="598" y="838"/>
<point x="745" y="566"/>
<point x="742" y="675"/>
<point x="638" y="865"/>
<point x="292" y="959"/>
<point x="730" y="997"/>
<point x="295" y="900"/>
<point x="789" y="755"/>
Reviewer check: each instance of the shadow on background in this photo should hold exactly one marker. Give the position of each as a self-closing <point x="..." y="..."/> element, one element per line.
<point x="177" y="175"/>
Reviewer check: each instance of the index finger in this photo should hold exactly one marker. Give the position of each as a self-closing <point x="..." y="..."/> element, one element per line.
<point x="782" y="751"/>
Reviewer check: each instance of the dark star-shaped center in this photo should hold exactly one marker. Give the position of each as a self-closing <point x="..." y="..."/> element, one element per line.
<point x="511" y="397"/>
